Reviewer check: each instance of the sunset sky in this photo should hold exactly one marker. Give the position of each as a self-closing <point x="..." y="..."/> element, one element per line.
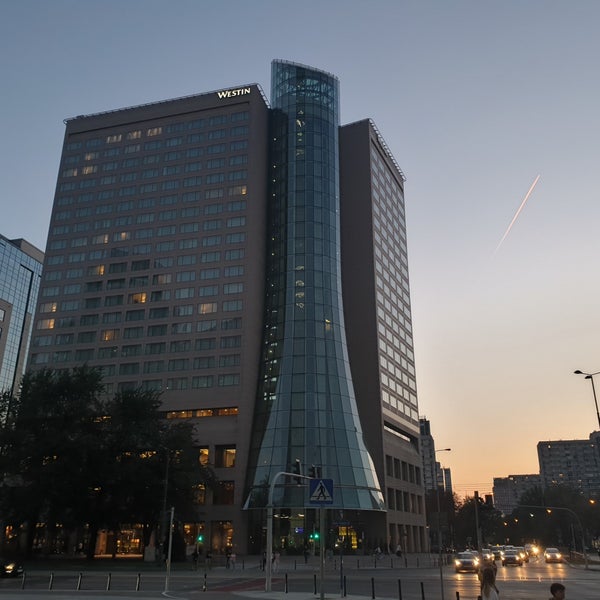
<point x="475" y="99"/>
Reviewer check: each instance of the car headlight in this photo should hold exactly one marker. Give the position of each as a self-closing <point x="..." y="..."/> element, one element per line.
<point x="10" y="567"/>
<point x="457" y="562"/>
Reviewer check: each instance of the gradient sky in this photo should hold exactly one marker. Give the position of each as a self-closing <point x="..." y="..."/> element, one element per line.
<point x="474" y="98"/>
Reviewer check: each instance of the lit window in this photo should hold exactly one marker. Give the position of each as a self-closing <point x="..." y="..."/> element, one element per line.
<point x="139" y="298"/>
<point x="46" y="324"/>
<point x="111" y="139"/>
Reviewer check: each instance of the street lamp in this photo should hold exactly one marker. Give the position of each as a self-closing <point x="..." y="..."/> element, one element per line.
<point x="439" y="524"/>
<point x="590" y="376"/>
<point x="571" y="512"/>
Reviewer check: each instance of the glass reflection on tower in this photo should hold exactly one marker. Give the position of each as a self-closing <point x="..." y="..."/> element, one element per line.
<point x="306" y="409"/>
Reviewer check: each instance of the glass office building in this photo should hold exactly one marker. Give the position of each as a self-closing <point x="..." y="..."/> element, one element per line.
<point x="20" y="272"/>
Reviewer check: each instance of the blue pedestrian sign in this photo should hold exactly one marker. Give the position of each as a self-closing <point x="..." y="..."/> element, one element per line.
<point x="321" y="491"/>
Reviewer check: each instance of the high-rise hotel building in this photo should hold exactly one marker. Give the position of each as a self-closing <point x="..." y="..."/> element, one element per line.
<point x="202" y="247"/>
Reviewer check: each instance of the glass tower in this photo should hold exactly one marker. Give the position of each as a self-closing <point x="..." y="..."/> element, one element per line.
<point x="20" y="271"/>
<point x="306" y="410"/>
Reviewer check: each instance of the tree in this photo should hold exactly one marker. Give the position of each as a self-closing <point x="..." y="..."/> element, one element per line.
<point x="74" y="458"/>
<point x="490" y="523"/>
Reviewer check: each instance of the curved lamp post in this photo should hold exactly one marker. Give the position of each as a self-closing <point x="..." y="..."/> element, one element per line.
<point x="590" y="376"/>
<point x="439" y="524"/>
<point x="550" y="508"/>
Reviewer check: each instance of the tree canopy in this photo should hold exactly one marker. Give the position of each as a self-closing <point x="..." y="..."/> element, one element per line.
<point x="74" y="456"/>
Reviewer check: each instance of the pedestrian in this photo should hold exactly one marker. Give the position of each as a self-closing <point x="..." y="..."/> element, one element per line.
<point x="232" y="560"/>
<point x="399" y="551"/>
<point x="557" y="591"/>
<point x="489" y="591"/>
<point x="195" y="556"/>
<point x="263" y="561"/>
<point x="275" y="561"/>
<point x="208" y="560"/>
<point x="227" y="557"/>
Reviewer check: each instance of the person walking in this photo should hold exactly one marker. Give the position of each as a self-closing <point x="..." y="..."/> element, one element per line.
<point x="489" y="591"/>
<point x="557" y="591"/>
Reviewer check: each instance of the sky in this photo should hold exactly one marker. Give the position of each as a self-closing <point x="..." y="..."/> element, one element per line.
<point x="475" y="99"/>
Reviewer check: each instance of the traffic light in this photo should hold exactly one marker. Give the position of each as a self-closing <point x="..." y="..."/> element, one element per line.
<point x="315" y="472"/>
<point x="298" y="471"/>
<point x="316" y="535"/>
<point x="200" y="538"/>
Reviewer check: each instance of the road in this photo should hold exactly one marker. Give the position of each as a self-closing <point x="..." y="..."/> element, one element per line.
<point x="363" y="581"/>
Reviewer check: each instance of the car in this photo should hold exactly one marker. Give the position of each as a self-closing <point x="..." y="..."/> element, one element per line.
<point x="10" y="568"/>
<point x="553" y="555"/>
<point x="466" y="561"/>
<point x="512" y="557"/>
<point x="498" y="552"/>
<point x="521" y="550"/>
<point x="487" y="556"/>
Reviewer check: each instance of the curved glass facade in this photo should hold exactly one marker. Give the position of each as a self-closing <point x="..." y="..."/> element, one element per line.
<point x="306" y="409"/>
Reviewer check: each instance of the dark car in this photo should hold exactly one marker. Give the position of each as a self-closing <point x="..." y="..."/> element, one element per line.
<point x="512" y="557"/>
<point x="10" y="568"/>
<point x="553" y="555"/>
<point x="466" y="561"/>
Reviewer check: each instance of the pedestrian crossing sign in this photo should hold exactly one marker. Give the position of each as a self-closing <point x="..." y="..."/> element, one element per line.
<point x="321" y="491"/>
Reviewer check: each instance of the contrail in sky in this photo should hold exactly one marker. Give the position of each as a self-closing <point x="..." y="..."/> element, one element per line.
<point x="517" y="213"/>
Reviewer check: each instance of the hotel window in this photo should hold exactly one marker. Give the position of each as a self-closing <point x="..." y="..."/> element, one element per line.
<point x="159" y="313"/>
<point x="202" y="381"/>
<point x="234" y="323"/>
<point x="156" y="330"/>
<point x="178" y="364"/>
<point x="204" y="362"/>
<point x="183" y="311"/>
<point x="86" y="320"/>
<point x="239" y="130"/>
<point x="213" y="209"/>
<point x="154" y="366"/>
<point x="241" y="159"/>
<point x="225" y="456"/>
<point x="232" y="305"/>
<point x="203" y="456"/>
<point x="238" y="205"/>
<point x="205" y="344"/>
<point x="154" y="131"/>
<point x="233" y="288"/>
<point x="111" y="139"/>
<point x="89" y="169"/>
<point x="134" y="135"/>
<point x="130" y="333"/>
<point x="204" y="326"/>
<point x="156" y="348"/>
<point x="211" y="240"/>
<point x="138" y="298"/>
<point x="90" y="303"/>
<point x="109" y="335"/>
<point x="237" y="175"/>
<point x="236" y="222"/>
<point x="129" y="368"/>
<point x="178" y="328"/>
<point x="228" y="380"/>
<point x="133" y="148"/>
<point x="46" y="324"/>
<point x="179" y="383"/>
<point x="236" y="254"/>
<point x="229" y="360"/>
<point x="235" y="238"/>
<point x="184" y="293"/>
<point x="234" y="271"/>
<point x="237" y="145"/>
<point x="231" y="341"/>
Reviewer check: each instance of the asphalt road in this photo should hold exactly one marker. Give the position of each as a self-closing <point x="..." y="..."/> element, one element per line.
<point x="364" y="580"/>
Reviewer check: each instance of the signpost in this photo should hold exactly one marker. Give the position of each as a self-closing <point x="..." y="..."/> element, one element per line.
<point x="321" y="493"/>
